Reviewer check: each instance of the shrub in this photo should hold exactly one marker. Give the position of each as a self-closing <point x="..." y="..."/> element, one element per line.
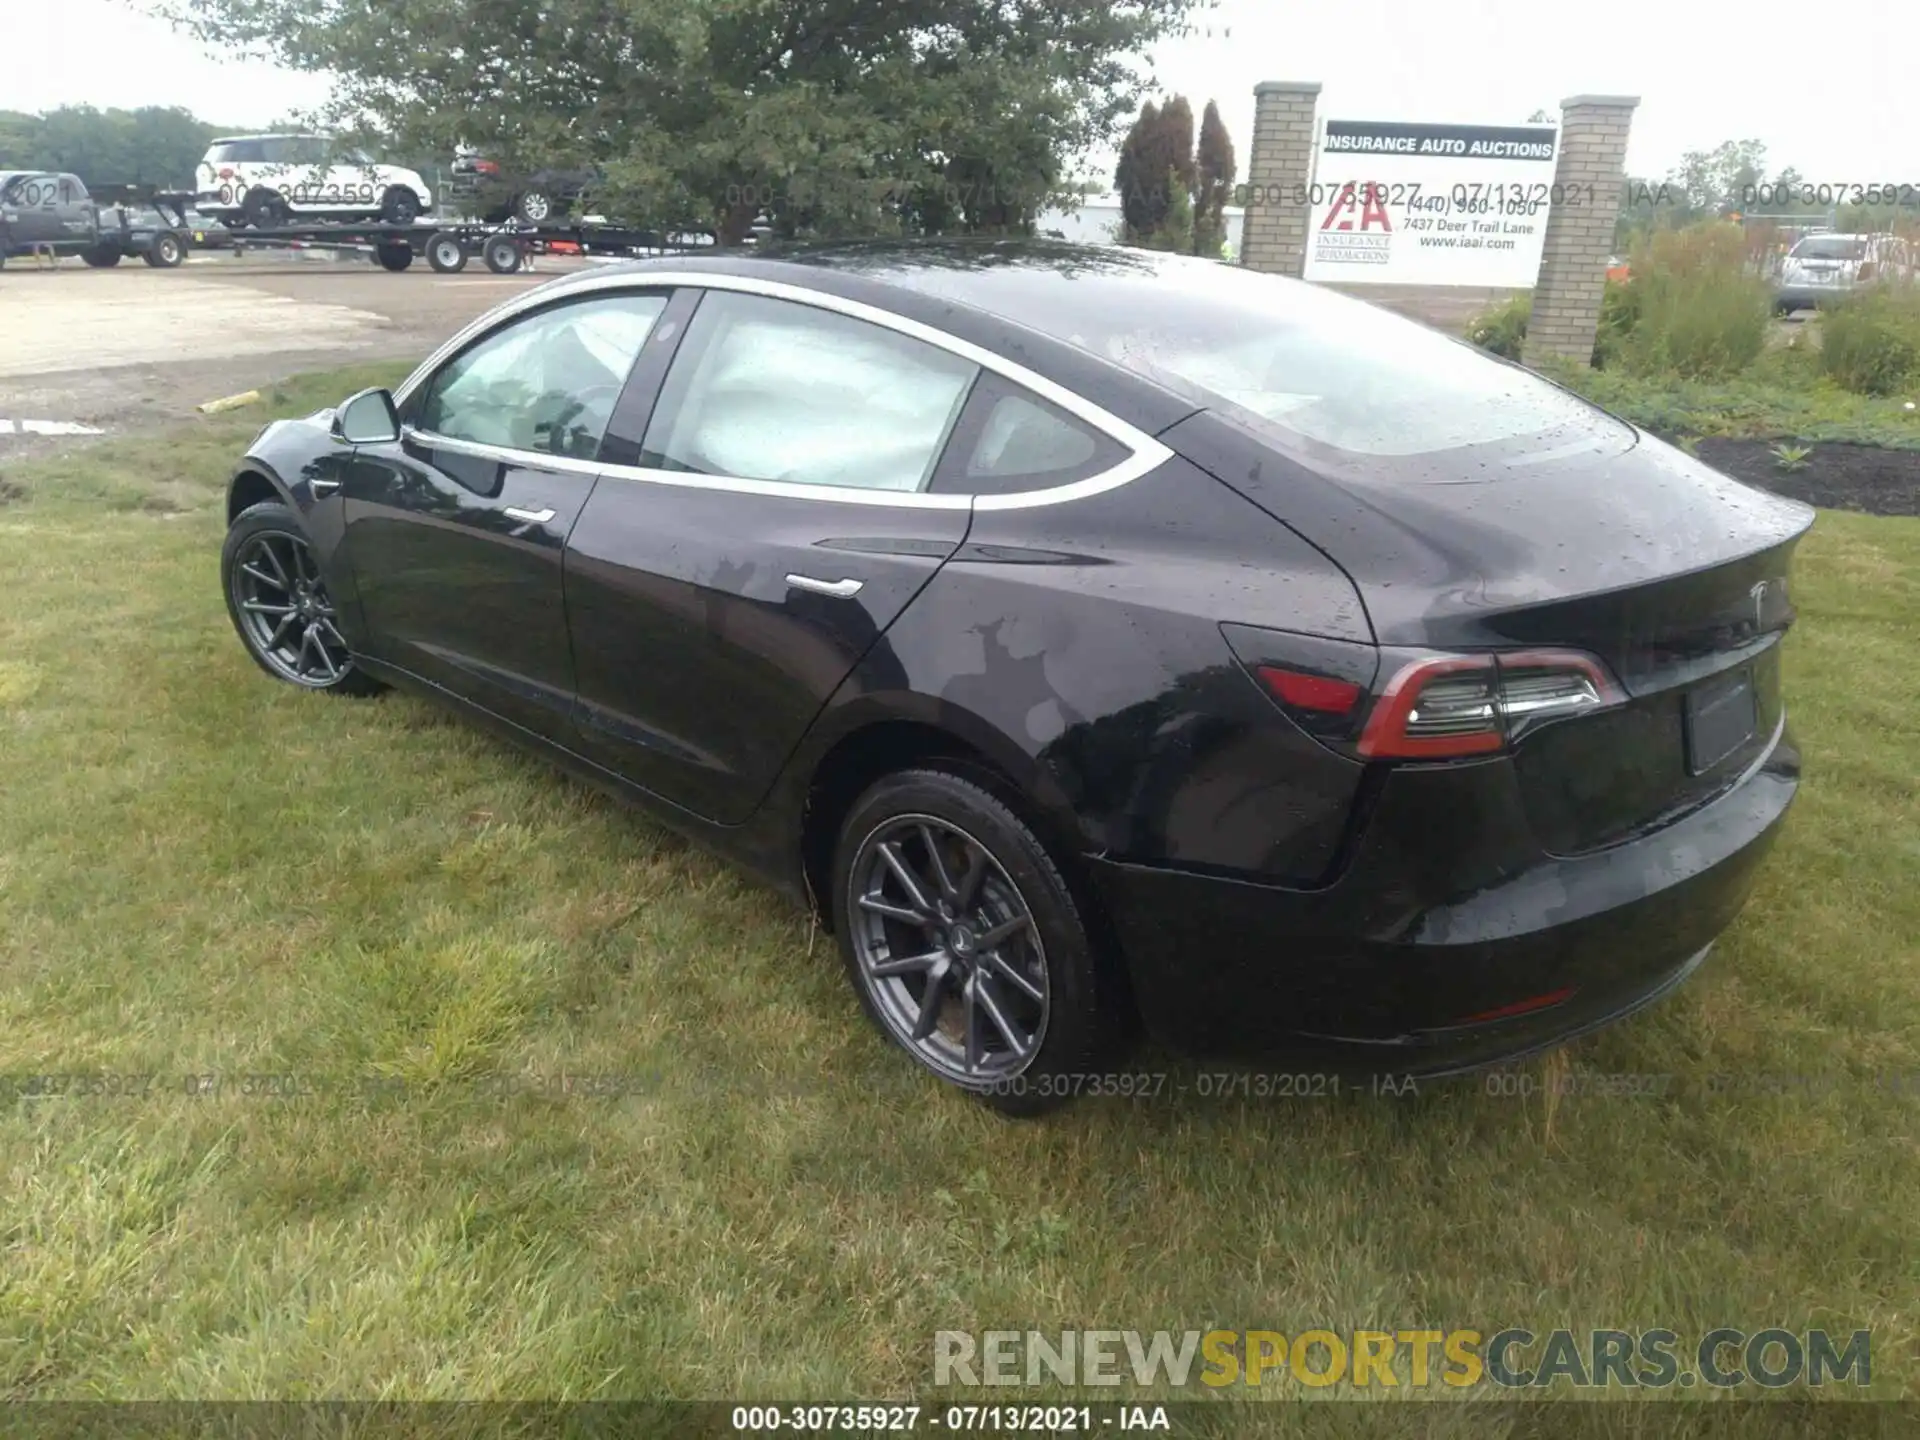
<point x="1700" y="310"/>
<point x="1871" y="343"/>
<point x="1619" y="315"/>
<point x="1503" y="329"/>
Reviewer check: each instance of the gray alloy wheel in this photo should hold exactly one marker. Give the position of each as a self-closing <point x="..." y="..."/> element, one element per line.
<point x="279" y="603"/>
<point x="965" y="941"/>
<point x="948" y="950"/>
<point x="535" y="207"/>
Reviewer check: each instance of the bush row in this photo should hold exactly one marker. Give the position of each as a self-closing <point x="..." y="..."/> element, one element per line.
<point x="1695" y="309"/>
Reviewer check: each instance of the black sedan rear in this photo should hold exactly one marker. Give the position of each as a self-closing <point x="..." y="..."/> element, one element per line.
<point x="1084" y="633"/>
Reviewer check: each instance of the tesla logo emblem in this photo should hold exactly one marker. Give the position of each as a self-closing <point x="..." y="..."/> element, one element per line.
<point x="1372" y="208"/>
<point x="1759" y="594"/>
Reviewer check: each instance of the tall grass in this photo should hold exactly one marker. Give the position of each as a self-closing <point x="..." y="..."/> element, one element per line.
<point x="1700" y="307"/>
<point x="1871" y="344"/>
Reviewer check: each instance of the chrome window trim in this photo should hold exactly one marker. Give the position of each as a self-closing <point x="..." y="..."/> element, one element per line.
<point x="1146" y="454"/>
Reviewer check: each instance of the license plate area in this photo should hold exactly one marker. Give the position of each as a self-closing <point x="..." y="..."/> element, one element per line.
<point x="1720" y="717"/>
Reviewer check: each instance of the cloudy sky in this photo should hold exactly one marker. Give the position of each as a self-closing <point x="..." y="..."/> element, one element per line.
<point x="1835" y="100"/>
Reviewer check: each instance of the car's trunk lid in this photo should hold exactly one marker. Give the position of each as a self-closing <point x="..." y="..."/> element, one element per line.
<point x="1673" y="575"/>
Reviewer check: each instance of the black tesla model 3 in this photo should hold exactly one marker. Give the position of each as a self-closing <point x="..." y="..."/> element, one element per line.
<point x="1085" y="633"/>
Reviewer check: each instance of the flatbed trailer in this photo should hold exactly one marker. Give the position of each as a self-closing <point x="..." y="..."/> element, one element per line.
<point x="448" y="245"/>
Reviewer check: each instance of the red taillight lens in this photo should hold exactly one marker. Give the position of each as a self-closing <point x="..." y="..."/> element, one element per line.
<point x="487" y="167"/>
<point x="1453" y="705"/>
<point x="1317" y="693"/>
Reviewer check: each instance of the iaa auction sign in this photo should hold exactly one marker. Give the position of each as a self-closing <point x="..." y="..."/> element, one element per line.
<point x="1406" y="204"/>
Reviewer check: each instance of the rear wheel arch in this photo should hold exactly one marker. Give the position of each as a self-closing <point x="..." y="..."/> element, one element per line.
<point x="884" y="744"/>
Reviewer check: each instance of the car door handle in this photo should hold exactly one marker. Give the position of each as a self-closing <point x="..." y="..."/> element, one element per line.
<point x="839" y="589"/>
<point x="322" y="488"/>
<point x="532" y="517"/>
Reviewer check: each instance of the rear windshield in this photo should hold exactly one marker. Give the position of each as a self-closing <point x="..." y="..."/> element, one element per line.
<point x="1308" y="368"/>
<point x="1830" y="247"/>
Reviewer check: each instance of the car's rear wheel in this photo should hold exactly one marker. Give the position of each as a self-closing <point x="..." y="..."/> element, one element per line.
<point x="280" y="606"/>
<point x="536" y="207"/>
<point x="965" y="943"/>
<point x="399" y="206"/>
<point x="264" y="208"/>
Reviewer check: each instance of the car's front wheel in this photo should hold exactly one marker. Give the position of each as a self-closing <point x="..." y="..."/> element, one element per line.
<point x="966" y="944"/>
<point x="279" y="604"/>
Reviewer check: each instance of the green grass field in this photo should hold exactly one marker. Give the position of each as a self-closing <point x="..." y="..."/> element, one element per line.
<point x="205" y="874"/>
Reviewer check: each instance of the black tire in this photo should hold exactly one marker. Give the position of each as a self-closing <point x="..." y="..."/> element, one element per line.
<point x="1069" y="1026"/>
<point x="399" y="205"/>
<point x="446" y="253"/>
<point x="102" y="257"/>
<point x="395" y="255"/>
<point x="264" y="208"/>
<point x="536" y="207"/>
<point x="501" y="253"/>
<point x="167" y="251"/>
<point x="274" y="524"/>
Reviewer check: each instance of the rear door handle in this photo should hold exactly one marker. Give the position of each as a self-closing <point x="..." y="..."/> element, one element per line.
<point x="532" y="517"/>
<point x="839" y="589"/>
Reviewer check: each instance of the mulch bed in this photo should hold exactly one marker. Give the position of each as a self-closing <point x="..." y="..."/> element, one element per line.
<point x="1867" y="478"/>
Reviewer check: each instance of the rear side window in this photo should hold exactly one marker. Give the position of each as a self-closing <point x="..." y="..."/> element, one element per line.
<point x="773" y="390"/>
<point x="236" y="152"/>
<point x="1010" y="440"/>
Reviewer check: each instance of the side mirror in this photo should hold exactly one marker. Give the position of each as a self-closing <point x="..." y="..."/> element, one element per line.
<point x="367" y="419"/>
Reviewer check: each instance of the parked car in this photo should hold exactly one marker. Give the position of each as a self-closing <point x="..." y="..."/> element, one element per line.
<point x="267" y="180"/>
<point x="1086" y="632"/>
<point x="1821" y="269"/>
<point x="50" y="212"/>
<point x="536" y="197"/>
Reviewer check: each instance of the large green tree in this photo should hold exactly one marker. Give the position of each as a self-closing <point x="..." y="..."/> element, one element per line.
<point x="832" y="116"/>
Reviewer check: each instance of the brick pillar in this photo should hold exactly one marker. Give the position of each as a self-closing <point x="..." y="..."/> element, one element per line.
<point x="1589" y="170"/>
<point x="1279" y="168"/>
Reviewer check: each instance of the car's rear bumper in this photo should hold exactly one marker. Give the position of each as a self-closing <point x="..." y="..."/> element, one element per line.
<point x="1408" y="964"/>
<point x="1808" y="297"/>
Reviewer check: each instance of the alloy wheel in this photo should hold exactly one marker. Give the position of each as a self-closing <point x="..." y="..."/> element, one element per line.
<point x="285" y="612"/>
<point x="948" y="950"/>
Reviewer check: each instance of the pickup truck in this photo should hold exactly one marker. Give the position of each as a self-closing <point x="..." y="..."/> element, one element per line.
<point x="46" y="212"/>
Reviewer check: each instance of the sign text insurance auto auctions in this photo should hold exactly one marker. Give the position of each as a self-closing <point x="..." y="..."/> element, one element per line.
<point x="1398" y="204"/>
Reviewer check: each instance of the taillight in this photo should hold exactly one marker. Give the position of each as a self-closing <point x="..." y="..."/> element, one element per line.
<point x="1453" y="705"/>
<point x="487" y="167"/>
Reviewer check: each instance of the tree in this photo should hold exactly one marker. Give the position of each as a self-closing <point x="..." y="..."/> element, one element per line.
<point x="1173" y="157"/>
<point x="1215" y="169"/>
<point x="154" y="147"/>
<point x="1142" y="196"/>
<point x="831" y="116"/>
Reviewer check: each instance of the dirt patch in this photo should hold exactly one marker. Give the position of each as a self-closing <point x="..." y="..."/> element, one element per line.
<point x="1867" y="478"/>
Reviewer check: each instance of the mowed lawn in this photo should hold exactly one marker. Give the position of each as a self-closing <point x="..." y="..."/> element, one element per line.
<point x="205" y="874"/>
